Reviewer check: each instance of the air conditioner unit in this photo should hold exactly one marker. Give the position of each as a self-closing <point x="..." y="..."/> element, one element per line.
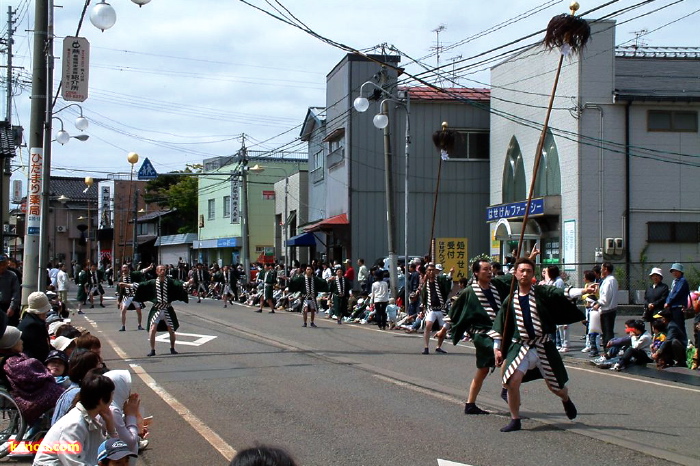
<point x="61" y="229"/>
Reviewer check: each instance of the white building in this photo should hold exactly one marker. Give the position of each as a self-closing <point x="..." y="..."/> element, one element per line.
<point x="619" y="173"/>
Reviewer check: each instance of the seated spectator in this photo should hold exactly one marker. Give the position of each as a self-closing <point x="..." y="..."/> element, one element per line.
<point x="79" y="365"/>
<point x="612" y="349"/>
<point x="638" y="351"/>
<point x="114" y="452"/>
<point x="81" y="425"/>
<point x="672" y="350"/>
<point x="31" y="384"/>
<point x="262" y="456"/>
<point x="57" y="363"/>
<point x="659" y="336"/>
<point x="89" y="342"/>
<point x="125" y="409"/>
<point x="68" y="331"/>
<point x="359" y="312"/>
<point x="35" y="336"/>
<point x="392" y="311"/>
<point x="411" y="312"/>
<point x="65" y="344"/>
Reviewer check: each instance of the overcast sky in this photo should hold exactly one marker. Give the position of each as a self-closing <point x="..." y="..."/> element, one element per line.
<point x="178" y="81"/>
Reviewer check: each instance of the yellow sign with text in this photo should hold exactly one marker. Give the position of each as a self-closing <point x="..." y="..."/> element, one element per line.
<point x="452" y="253"/>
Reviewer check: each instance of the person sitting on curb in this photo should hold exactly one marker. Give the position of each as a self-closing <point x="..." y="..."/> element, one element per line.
<point x="638" y="351"/>
<point x="672" y="350"/>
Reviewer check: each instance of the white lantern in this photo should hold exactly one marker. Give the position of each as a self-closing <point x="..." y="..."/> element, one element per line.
<point x="103" y="16"/>
<point x="361" y="104"/>
<point x="380" y="121"/>
<point x="140" y="3"/>
<point x="62" y="137"/>
<point x="82" y="123"/>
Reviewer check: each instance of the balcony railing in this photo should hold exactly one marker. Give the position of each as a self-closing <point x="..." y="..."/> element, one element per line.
<point x="336" y="156"/>
<point x="316" y="174"/>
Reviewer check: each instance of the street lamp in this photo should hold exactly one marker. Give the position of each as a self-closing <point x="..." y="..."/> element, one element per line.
<point x="62" y="136"/>
<point x="103" y="15"/>
<point x="39" y="141"/>
<point x="260" y="169"/>
<point x="133" y="158"/>
<point x="381" y="121"/>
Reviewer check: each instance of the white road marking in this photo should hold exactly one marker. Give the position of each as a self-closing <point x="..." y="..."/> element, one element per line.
<point x="450" y="463"/>
<point x="199" y="340"/>
<point x="627" y="377"/>
<point x="219" y="444"/>
<point x="226" y="450"/>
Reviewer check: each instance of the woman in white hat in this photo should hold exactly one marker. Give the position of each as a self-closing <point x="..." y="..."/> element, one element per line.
<point x="655" y="296"/>
<point x="33" y="326"/>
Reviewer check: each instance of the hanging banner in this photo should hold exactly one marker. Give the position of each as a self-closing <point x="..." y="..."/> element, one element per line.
<point x="34" y="190"/>
<point x="235" y="201"/>
<point x="75" y="69"/>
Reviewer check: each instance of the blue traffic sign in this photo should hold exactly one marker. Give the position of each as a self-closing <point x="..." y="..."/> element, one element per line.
<point x="147" y="172"/>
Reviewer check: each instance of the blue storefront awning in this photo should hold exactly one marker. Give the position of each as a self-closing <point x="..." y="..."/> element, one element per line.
<point x="304" y="239"/>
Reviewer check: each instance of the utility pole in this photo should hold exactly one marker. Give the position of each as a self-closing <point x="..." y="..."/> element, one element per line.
<point x="389" y="194"/>
<point x="245" y="248"/>
<point x="5" y="161"/>
<point x="37" y="159"/>
<point x="10" y="42"/>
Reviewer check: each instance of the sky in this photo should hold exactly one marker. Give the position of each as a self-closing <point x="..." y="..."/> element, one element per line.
<point x="179" y="81"/>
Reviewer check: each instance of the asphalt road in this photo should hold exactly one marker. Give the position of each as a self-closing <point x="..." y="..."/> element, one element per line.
<point x="354" y="395"/>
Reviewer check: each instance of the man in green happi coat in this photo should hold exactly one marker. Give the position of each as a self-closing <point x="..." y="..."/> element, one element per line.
<point x="522" y="339"/>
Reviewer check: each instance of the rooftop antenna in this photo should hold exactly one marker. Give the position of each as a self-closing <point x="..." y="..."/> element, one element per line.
<point x="454" y="72"/>
<point x="438" y="48"/>
<point x="638" y="42"/>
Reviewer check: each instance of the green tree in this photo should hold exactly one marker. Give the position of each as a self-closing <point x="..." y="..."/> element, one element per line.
<point x="177" y="192"/>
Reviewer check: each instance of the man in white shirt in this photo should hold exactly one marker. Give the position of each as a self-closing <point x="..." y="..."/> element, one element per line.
<point x="607" y="302"/>
<point x="62" y="283"/>
<point x="362" y="274"/>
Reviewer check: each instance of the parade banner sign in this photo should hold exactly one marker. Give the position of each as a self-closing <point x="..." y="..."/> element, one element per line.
<point x="452" y="252"/>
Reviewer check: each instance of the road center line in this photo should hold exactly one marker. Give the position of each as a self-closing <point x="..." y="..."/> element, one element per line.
<point x="219" y="444"/>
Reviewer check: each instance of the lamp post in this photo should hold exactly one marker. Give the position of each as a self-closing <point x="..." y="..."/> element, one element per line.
<point x="381" y="121"/>
<point x="259" y="169"/>
<point x="133" y="158"/>
<point x="39" y="142"/>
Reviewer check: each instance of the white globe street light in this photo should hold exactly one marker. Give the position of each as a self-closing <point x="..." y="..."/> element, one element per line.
<point x="380" y="120"/>
<point x="103" y="16"/>
<point x="140" y="3"/>
<point x="82" y="123"/>
<point x="361" y="104"/>
<point x="62" y="137"/>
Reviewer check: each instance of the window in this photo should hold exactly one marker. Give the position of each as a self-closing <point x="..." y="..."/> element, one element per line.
<point x="471" y="145"/>
<point x="317" y="171"/>
<point x="673" y="232"/>
<point x="227" y="206"/>
<point x="513" y="187"/>
<point x="211" y="209"/>
<point x="670" y="120"/>
<point x="548" y="181"/>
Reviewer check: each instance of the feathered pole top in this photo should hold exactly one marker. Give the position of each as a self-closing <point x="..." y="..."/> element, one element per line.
<point x="568" y="32"/>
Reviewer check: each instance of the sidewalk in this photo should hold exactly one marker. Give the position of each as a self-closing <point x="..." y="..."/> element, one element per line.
<point x="671" y="374"/>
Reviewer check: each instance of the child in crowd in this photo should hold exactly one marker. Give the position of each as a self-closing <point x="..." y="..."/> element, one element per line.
<point x="638" y="351"/>
<point x="57" y="363"/>
<point x="659" y="329"/>
<point x="391" y="311"/>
